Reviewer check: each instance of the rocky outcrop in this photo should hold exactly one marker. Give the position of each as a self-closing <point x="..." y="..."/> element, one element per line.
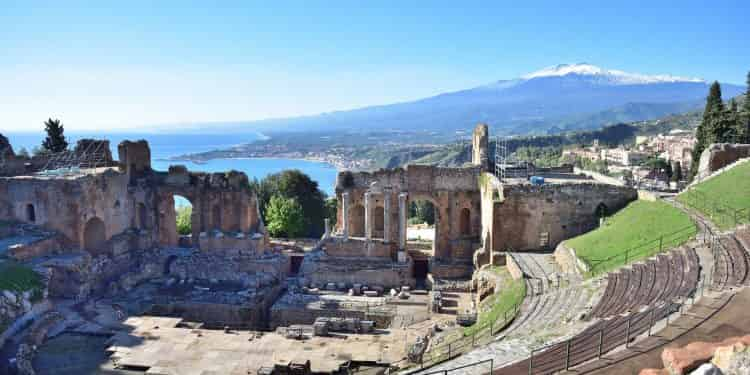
<point x="6" y="150"/>
<point x="726" y="354"/>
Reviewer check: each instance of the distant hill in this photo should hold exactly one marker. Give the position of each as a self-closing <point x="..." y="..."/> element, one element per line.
<point x="552" y="100"/>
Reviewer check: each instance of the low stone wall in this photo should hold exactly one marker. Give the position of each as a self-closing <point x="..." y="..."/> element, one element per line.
<point x="513" y="268"/>
<point x="444" y="270"/>
<point x="359" y="247"/>
<point x="719" y="155"/>
<point x="23" y="321"/>
<point x="568" y="261"/>
<point x="46" y="246"/>
<point x="214" y="315"/>
<point x="284" y="317"/>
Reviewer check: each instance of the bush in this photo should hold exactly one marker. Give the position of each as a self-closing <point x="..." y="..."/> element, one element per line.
<point x="285" y="217"/>
<point x="184" y="224"/>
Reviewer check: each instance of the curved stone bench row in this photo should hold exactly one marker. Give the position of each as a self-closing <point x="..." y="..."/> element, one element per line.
<point x="663" y="278"/>
<point x="731" y="258"/>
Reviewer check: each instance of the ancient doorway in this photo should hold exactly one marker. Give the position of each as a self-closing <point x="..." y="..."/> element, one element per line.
<point x="378" y="220"/>
<point x="420" y="269"/>
<point x="357" y="221"/>
<point x="216" y="217"/>
<point x="295" y="264"/>
<point x="94" y="236"/>
<point x="465" y="222"/>
<point x="30" y="213"/>
<point x="421" y="226"/>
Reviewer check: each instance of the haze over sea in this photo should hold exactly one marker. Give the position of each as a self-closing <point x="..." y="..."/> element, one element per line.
<point x="164" y="146"/>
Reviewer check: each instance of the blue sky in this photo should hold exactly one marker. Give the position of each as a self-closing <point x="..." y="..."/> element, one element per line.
<point x="138" y="64"/>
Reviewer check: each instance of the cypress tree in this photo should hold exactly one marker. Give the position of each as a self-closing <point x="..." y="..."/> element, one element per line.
<point x="745" y="115"/>
<point x="55" y="140"/>
<point x="706" y="132"/>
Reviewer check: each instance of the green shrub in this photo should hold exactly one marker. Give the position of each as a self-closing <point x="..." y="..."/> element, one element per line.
<point x="184" y="223"/>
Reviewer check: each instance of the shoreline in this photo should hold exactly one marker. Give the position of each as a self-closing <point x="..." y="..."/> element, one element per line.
<point x="311" y="160"/>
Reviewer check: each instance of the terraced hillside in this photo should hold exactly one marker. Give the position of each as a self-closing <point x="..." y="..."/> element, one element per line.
<point x="724" y="198"/>
<point x="640" y="230"/>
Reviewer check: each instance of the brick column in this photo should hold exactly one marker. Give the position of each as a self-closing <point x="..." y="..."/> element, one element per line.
<point x="368" y="215"/>
<point x="387" y="215"/>
<point x="345" y="214"/>
<point x="402" y="213"/>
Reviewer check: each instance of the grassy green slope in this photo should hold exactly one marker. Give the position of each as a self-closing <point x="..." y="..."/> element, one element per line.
<point x="723" y="198"/>
<point x="18" y="278"/>
<point x="493" y="308"/>
<point x="637" y="231"/>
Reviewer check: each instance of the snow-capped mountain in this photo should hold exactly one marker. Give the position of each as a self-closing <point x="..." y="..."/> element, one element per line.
<point x="558" y="98"/>
<point x="605" y="76"/>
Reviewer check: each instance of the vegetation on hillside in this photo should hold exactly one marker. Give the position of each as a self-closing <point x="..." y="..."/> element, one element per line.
<point x="638" y="231"/>
<point x="296" y="185"/>
<point x="724" y="198"/>
<point x="721" y="123"/>
<point x="285" y="217"/>
<point x="493" y="308"/>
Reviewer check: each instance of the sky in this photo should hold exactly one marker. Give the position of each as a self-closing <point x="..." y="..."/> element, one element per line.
<point x="135" y="65"/>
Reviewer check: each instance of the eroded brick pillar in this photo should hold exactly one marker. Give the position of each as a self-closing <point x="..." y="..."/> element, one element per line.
<point x="345" y="214"/>
<point x="402" y="212"/>
<point x="368" y="215"/>
<point x="387" y="215"/>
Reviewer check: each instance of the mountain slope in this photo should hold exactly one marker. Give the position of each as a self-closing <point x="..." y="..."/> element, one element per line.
<point x="561" y="98"/>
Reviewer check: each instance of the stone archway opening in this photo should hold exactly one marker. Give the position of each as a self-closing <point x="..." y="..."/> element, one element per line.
<point x="378" y="220"/>
<point x="94" y="236"/>
<point x="184" y="212"/>
<point x="421" y="224"/>
<point x="357" y="221"/>
<point x="30" y="213"/>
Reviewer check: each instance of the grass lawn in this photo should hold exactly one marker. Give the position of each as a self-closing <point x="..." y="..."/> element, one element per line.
<point x="492" y="308"/>
<point x="638" y="231"/>
<point x="18" y="278"/>
<point x="718" y="197"/>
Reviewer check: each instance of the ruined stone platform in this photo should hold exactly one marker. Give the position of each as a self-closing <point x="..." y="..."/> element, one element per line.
<point x="158" y="345"/>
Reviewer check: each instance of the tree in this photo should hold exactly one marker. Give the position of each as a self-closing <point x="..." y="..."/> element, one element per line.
<point x="55" y="140"/>
<point x="706" y="132"/>
<point x="285" y="217"/>
<point x="184" y="223"/>
<point x="295" y="184"/>
<point x="422" y="212"/>
<point x="677" y="171"/>
<point x="744" y="132"/>
<point x="331" y="210"/>
<point x="23" y="152"/>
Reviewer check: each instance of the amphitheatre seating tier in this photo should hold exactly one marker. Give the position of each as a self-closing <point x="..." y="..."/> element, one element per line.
<point x="731" y="263"/>
<point x="659" y="279"/>
<point x="634" y="298"/>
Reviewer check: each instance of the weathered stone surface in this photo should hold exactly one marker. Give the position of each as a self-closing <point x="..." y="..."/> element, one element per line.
<point x="681" y="360"/>
<point x="653" y="371"/>
<point x="732" y="356"/>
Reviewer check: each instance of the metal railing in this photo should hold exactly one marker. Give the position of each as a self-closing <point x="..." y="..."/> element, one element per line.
<point x="719" y="212"/>
<point x="644" y="250"/>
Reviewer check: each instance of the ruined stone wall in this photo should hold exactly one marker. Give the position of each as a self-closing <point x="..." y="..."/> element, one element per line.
<point x="71" y="205"/>
<point x="319" y="269"/>
<point x="480" y="147"/>
<point x="719" y="155"/>
<point x="530" y="217"/>
<point x="221" y="202"/>
<point x="450" y="190"/>
<point x="357" y="247"/>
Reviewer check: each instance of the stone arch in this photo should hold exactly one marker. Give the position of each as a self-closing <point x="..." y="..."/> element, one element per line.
<point x="94" y="235"/>
<point x="357" y="221"/>
<point x="464" y="221"/>
<point x="30" y="213"/>
<point x="438" y="219"/>
<point x="601" y="210"/>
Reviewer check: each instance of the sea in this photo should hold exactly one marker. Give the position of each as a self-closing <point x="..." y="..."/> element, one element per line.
<point x="167" y="145"/>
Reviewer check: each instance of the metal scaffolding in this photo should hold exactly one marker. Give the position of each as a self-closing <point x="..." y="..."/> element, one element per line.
<point x="75" y="162"/>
